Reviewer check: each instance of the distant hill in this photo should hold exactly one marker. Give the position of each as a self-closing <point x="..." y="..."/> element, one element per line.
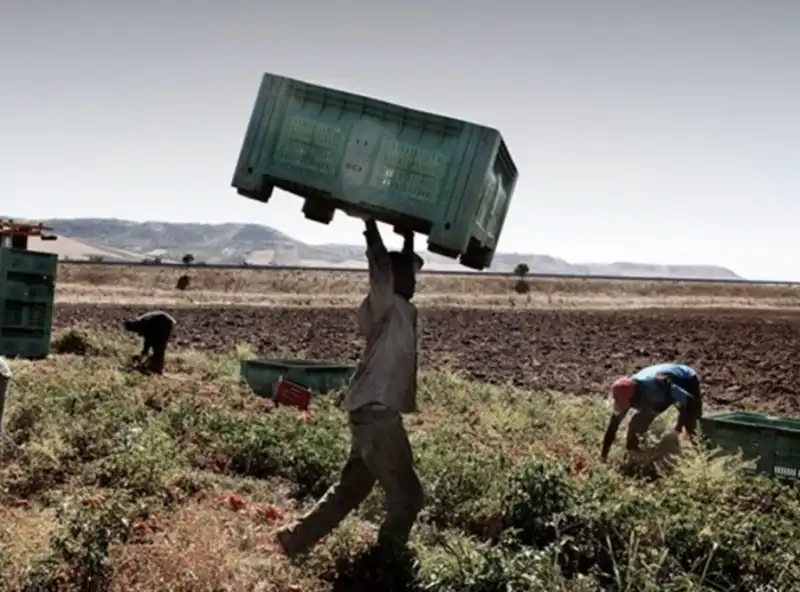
<point x="233" y="243"/>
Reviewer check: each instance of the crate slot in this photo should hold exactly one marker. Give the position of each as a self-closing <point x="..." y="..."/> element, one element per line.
<point x="26" y="315"/>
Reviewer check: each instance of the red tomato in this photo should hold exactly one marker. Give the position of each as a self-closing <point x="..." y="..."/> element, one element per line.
<point x="235" y="502"/>
<point x="272" y="514"/>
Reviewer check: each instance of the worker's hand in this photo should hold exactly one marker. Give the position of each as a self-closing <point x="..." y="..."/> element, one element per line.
<point x="360" y="215"/>
<point x="371" y="227"/>
<point x="408" y="242"/>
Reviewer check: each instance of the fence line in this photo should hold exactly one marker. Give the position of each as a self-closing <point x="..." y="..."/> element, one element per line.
<point x="476" y="274"/>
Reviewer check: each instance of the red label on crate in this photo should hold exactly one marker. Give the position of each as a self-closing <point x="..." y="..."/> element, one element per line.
<point x="289" y="393"/>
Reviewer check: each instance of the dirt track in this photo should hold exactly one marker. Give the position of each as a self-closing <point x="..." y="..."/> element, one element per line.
<point x="746" y="358"/>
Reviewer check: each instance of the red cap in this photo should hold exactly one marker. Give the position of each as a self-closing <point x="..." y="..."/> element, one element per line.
<point x="622" y="391"/>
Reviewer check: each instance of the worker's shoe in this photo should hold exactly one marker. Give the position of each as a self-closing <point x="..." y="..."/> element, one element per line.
<point x="288" y="544"/>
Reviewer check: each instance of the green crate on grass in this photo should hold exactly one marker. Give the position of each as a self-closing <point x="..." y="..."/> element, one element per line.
<point x="321" y="377"/>
<point x="769" y="445"/>
<point x="31" y="345"/>
<point x="27" y="276"/>
<point x="29" y="316"/>
<point x="27" y="291"/>
<point x="24" y="289"/>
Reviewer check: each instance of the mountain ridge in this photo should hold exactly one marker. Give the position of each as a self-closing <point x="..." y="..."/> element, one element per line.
<point x="240" y="243"/>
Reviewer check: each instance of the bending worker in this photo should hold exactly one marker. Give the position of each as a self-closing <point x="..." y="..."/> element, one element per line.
<point x="651" y="391"/>
<point x="383" y="387"/>
<point x="156" y="328"/>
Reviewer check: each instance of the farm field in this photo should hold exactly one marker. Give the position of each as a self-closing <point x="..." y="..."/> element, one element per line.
<point x="120" y="482"/>
<point x="114" y="481"/>
<point x="155" y="286"/>
<point x="747" y="358"/>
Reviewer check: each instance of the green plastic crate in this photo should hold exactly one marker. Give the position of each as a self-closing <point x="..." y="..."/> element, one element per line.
<point x="27" y="262"/>
<point x="320" y="377"/>
<point x="23" y="289"/>
<point x="32" y="345"/>
<point x="36" y="316"/>
<point x="450" y="179"/>
<point x="769" y="445"/>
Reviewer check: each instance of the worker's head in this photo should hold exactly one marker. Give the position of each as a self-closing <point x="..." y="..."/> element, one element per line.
<point x="130" y="325"/>
<point x="622" y="392"/>
<point x="404" y="269"/>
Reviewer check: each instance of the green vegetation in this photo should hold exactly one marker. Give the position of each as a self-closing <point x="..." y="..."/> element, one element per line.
<point x="115" y="481"/>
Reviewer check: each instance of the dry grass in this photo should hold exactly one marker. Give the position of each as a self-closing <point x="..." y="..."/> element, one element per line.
<point x="205" y="544"/>
<point x="24" y="533"/>
<point x="156" y="286"/>
<point x="127" y="483"/>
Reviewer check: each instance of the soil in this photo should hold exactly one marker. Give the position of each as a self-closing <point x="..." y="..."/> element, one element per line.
<point x="746" y="359"/>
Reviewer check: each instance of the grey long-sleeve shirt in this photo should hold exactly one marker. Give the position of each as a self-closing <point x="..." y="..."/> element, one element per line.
<point x="387" y="374"/>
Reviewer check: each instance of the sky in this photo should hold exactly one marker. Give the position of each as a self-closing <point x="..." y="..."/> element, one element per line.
<point x="649" y="131"/>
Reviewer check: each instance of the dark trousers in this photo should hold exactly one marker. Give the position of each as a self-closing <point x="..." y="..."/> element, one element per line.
<point x="381" y="453"/>
<point x="643" y="418"/>
<point x="158" y="343"/>
<point x="694" y="407"/>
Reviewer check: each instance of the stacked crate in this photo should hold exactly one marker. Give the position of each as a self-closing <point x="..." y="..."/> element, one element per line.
<point x="27" y="291"/>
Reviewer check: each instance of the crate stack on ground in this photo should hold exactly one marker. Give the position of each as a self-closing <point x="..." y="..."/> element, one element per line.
<point x="27" y="292"/>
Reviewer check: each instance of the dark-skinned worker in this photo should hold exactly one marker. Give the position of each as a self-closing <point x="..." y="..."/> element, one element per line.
<point x="156" y="328"/>
<point x="650" y="392"/>
<point x="383" y="388"/>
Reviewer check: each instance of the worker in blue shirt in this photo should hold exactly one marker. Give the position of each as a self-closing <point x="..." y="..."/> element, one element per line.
<point x="651" y="391"/>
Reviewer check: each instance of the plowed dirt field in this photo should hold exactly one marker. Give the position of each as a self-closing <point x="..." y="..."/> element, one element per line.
<point x="747" y="359"/>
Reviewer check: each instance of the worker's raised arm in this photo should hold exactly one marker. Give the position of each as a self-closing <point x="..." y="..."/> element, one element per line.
<point x="611" y="433"/>
<point x="381" y="278"/>
<point x="408" y="243"/>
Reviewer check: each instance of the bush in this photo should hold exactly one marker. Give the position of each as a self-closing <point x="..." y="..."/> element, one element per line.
<point x="75" y="342"/>
<point x="460" y="492"/>
<point x="538" y="492"/>
<point x="78" y="557"/>
<point x="376" y="569"/>
<point x="183" y="283"/>
<point x="470" y="566"/>
<point x="308" y="452"/>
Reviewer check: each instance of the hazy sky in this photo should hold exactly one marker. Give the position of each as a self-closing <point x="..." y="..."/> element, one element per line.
<point x="661" y="131"/>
